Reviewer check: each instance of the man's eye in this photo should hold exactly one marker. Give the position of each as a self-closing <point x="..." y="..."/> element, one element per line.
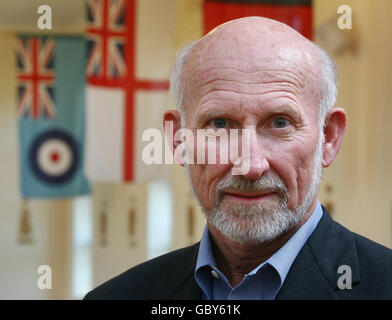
<point x="280" y="123"/>
<point x="220" y="123"/>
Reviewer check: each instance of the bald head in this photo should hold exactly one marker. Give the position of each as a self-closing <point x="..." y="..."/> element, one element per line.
<point x="250" y="45"/>
<point x="256" y="39"/>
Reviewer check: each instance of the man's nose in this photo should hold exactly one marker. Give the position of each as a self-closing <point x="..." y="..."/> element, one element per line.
<point x="257" y="162"/>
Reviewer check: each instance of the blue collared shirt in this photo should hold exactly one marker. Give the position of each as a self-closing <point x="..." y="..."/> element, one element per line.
<point x="262" y="283"/>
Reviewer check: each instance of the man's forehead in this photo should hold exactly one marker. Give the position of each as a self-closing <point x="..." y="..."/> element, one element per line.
<point x="253" y="68"/>
<point x="252" y="45"/>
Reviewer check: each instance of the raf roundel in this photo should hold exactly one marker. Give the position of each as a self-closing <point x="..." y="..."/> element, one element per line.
<point x="54" y="156"/>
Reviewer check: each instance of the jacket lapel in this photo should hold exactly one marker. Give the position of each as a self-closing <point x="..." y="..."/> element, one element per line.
<point x="188" y="291"/>
<point x="186" y="287"/>
<point x="314" y="273"/>
<point x="305" y="280"/>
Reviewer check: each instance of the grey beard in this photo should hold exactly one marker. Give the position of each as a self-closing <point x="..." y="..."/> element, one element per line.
<point x="260" y="223"/>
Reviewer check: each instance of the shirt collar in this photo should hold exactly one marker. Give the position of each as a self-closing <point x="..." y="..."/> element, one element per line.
<point x="281" y="260"/>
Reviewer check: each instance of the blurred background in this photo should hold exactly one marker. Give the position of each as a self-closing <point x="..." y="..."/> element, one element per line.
<point x="76" y="98"/>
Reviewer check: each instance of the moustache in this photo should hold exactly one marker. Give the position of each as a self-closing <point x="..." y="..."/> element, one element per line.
<point x="265" y="183"/>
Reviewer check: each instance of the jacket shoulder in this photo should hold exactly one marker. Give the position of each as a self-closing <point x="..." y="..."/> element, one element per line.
<point x="375" y="265"/>
<point x="142" y="281"/>
<point x="375" y="260"/>
<point x="333" y="246"/>
<point x="370" y="250"/>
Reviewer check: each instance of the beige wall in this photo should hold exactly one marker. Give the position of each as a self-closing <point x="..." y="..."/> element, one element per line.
<point x="121" y="251"/>
<point x="359" y="177"/>
<point x="189" y="25"/>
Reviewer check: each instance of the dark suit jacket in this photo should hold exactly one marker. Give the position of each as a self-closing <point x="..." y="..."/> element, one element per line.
<point x="313" y="275"/>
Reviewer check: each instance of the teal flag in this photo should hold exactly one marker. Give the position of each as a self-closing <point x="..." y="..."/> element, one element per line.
<point x="51" y="111"/>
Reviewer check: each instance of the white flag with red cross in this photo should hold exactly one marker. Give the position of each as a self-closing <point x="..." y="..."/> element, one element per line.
<point x="130" y="51"/>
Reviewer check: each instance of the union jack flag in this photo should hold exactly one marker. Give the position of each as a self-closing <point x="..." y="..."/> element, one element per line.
<point x="106" y="35"/>
<point x="35" y="76"/>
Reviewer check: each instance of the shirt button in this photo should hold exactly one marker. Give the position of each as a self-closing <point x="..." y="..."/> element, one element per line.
<point x="215" y="274"/>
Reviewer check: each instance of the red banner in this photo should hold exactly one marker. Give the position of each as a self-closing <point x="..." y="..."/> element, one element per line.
<point x="297" y="14"/>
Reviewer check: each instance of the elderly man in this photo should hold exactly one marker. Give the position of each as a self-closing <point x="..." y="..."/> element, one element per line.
<point x="267" y="235"/>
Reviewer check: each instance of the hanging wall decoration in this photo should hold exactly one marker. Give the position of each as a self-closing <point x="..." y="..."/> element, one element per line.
<point x="115" y="116"/>
<point x="132" y="222"/>
<point x="190" y="220"/>
<point x="329" y="203"/>
<point x="295" y="13"/>
<point x="103" y="224"/>
<point x="50" y="109"/>
<point x="50" y="106"/>
<point x="25" y="230"/>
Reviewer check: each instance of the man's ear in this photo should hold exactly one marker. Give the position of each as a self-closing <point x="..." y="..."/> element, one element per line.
<point x="171" y="124"/>
<point x="335" y="126"/>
